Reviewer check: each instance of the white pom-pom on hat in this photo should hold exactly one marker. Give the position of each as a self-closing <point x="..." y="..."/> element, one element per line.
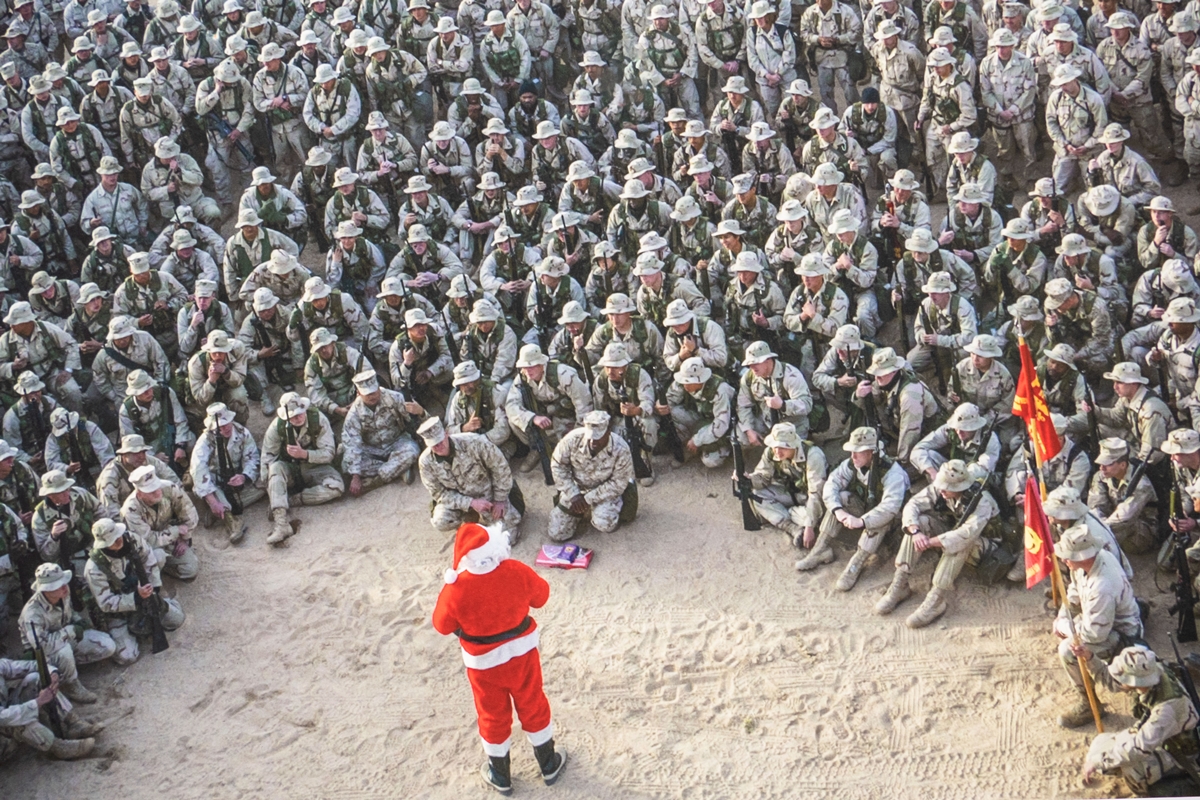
<point x="451" y="575"/>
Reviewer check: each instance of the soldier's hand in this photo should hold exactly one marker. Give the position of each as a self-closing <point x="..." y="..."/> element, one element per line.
<point x="945" y="237"/>
<point x="73" y="467"/>
<point x="809" y="537"/>
<point x="410" y="356"/>
<point x="1085" y="406"/>
<point x="1081" y="651"/>
<point x="297" y="452"/>
<point x="1057" y="218"/>
<point x="414" y="408"/>
<point x="929" y="339"/>
<point x="931" y="473"/>
<point x="752" y="438"/>
<point x="1155" y="355"/>
<point x="1090" y="772"/>
<point x="342" y="411"/>
<point x="864" y="389"/>
<point x="966" y="255"/>
<point x="543" y="422"/>
<point x="852" y="522"/>
<point x="237" y="481"/>
<point x="409" y="219"/>
<point x="145" y="590"/>
<point x="1183" y="524"/>
<point x="14" y="260"/>
<point x="1166" y="249"/>
<point x="760" y="319"/>
<point x="808" y="311"/>
<point x="498" y="509"/>
<point x="631" y="409"/>
<point x="197" y="319"/>
<point x="268" y="352"/>
<point x="662" y="409"/>
<point x="481" y="506"/>
<point x="847" y="381"/>
<point x="687" y="346"/>
<point x="355" y="485"/>
<point x="578" y="505"/>
<point x="775" y="402"/>
<point x="1156" y="312"/>
<point x="26" y="518"/>
<point x="58" y="529"/>
<point x="47" y="695"/>
<point x="953" y="397"/>
<point x="472" y="425"/>
<point x="215" y="505"/>
<point x="920" y="541"/>
<point x="691" y="447"/>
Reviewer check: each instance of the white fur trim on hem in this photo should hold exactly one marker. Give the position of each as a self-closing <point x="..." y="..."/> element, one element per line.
<point x="502" y="654"/>
<point x="497" y="750"/>
<point x="539" y="738"/>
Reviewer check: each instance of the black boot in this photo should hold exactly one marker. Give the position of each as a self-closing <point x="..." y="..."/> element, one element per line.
<point x="496" y="774"/>
<point x="551" y="763"/>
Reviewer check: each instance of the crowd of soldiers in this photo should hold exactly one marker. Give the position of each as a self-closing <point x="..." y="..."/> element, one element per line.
<point x="595" y="237"/>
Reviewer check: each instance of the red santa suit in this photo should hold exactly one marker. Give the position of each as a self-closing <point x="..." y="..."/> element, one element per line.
<point x="486" y="603"/>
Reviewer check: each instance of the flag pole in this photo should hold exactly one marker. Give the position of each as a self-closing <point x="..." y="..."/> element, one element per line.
<point x="1057" y="594"/>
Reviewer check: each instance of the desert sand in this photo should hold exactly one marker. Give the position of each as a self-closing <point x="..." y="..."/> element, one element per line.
<point x="690" y="661"/>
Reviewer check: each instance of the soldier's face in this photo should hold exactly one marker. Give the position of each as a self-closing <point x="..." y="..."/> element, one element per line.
<point x="969" y="209"/>
<point x="162" y="65"/>
<point x="1121" y="35"/>
<point x="132" y="461"/>
<point x="1187" y="38"/>
<point x="532" y="373"/>
<point x="24" y="329"/>
<point x="1182" y="330"/>
<point x="653" y="280"/>
<point x="1064" y="48"/>
<point x="662" y="24"/>
<point x="593" y="71"/>
<point x="379" y="134"/>
<point x="419" y="247"/>
<point x="49" y="292"/>
<point x="60" y="498"/>
<point x="615" y="374"/>
<point x="827" y="134"/>
<point x="109" y="182"/>
<point x="980" y="363"/>
<point x="94" y="305"/>
<point x="619" y="321"/>
<point x="321" y="303"/>
<point x="6" y="467"/>
<point x="123" y="342"/>
<point x="813" y="283"/>
<point x="418" y="332"/>
<point x="827" y="190"/>
<point x="1162" y="219"/>
<point x="1165" y="9"/>
<point x="326" y="352"/>
<point x="141" y="278"/>
<point x="1055" y="368"/>
<point x="1114" y="470"/>
<point x="862" y="458"/>
<point x="145" y="397"/>
<point x="1188" y="460"/>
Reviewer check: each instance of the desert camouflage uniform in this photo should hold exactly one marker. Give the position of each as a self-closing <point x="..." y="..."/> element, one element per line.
<point x="243" y="457"/>
<point x="602" y="479"/>
<point x="474" y="469"/>
<point x="108" y="374"/>
<point x="377" y="441"/>
<point x="753" y="392"/>
<point x="935" y="516"/>
<point x="52" y="355"/>
<point x="230" y="389"/>
<point x="143" y="124"/>
<point x="123" y="210"/>
<point x="316" y="477"/>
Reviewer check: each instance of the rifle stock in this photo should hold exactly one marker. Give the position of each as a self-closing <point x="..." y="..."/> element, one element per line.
<point x="743" y="490"/>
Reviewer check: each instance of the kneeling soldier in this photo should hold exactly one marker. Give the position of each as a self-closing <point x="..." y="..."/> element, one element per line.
<point x="163" y="515"/>
<point x="377" y="437"/>
<point x="593" y="480"/>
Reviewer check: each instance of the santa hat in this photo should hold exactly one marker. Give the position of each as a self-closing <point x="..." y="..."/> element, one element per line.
<point x="478" y="550"/>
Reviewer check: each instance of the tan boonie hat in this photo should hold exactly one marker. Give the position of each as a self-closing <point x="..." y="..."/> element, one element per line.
<point x="1064" y="74"/>
<point x="953" y="477"/>
<point x="939" y="283"/>
<point x="346" y="229"/>
<point x="50" y="577"/>
<point x="120" y="327"/>
<point x="106" y="532"/>
<point x="847" y="337"/>
<point x="20" y="313"/>
<point x="596" y="423"/>
<point x="757" y="352"/>
<point x="826" y="174"/>
<point x="1017" y="228"/>
<point x="729" y="227"/>
<point x="1136" y="666"/>
<point x="466" y="372"/>
<point x="885" y="362"/>
<point x="747" y="262"/>
<point x="218" y="342"/>
<point x="791" y="211"/>
<point x="292" y="405"/>
<point x="970" y="192"/>
<point x="813" y="265"/>
<point x="677" y="313"/>
<point x="1057" y="292"/>
<point x="692" y="371"/>
<point x="552" y="266"/>
<point x="89" y="292"/>
<point x="966" y="418"/>
<point x="1062" y="353"/>
<point x="962" y="142"/>
<point x="824" y="118"/>
<point x="367" y="382"/>
<point x="531" y="356"/>
<point x="984" y="345"/>
<point x="1113" y="133"/>
<point x="1182" y="441"/>
<point x="1181" y="310"/>
<point x="182" y="239"/>
<point x="1064" y="503"/>
<point x="62" y="420"/>
<point x="137" y="382"/>
<point x="921" y="241"/>
<point x="862" y="440"/>
<point x="615" y="355"/>
<point x="484" y="311"/>
<point x="619" y="303"/>
<point x="315" y="288"/>
<point x="1076" y="544"/>
<point x="416" y="316"/>
<point x="572" y="312"/>
<point x="784" y="434"/>
<point x="842" y="221"/>
<point x="55" y="481"/>
<point x="1126" y="372"/>
<point x="282" y="262"/>
<point x="647" y="264"/>
<point x="905" y="179"/>
<point x="1112" y="450"/>
<point x="217" y="415"/>
<point x="1102" y="200"/>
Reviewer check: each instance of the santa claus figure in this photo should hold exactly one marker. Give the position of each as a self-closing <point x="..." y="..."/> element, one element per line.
<point x="486" y="603"/>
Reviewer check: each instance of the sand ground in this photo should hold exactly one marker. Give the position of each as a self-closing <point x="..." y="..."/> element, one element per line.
<point x="690" y="661"/>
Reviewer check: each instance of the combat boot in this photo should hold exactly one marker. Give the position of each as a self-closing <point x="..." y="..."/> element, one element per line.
<point x="930" y="609"/>
<point x="281" y="529"/>
<point x="550" y="762"/>
<point x="235" y="527"/>
<point x="410" y="475"/>
<point x="896" y="594"/>
<point x="76" y="692"/>
<point x="496" y="773"/>
<point x="849" y="576"/>
<point x="819" y="555"/>
<point x="76" y="727"/>
<point x="1080" y="713"/>
<point x="71" y="749"/>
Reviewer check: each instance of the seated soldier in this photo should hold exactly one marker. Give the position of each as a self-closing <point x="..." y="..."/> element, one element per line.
<point x="217" y="374"/>
<point x="701" y="407"/>
<point x="945" y="323"/>
<point x="77" y="446"/>
<point x="329" y="375"/>
<point x="1142" y="754"/>
<point x="42" y="348"/>
<point x="477" y="405"/>
<point x="625" y="391"/>
<point x="770" y="391"/>
<point x="202" y="314"/>
<point x="419" y="361"/>
<point x="113" y="486"/>
<point x="468" y="479"/>
<point x="966" y="437"/>
<point x="1121" y="495"/>
<point x="951" y="514"/>
<point x="62" y="522"/>
<point x="162" y="514"/>
<point x="121" y="571"/>
<point x="27" y="421"/>
<point x="549" y="395"/>
<point x="841" y="370"/>
<point x="788" y="482"/>
<point x="896" y="401"/>
<point x="224" y="470"/>
<point x="866" y="475"/>
<point x="377" y="436"/>
<point x="152" y="411"/>
<point x="297" y="453"/>
<point x="21" y="704"/>
<point x="270" y="358"/>
<point x="593" y="480"/>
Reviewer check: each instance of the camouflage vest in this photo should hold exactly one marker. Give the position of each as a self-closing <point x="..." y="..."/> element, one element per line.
<point x="158" y="432"/>
<point x="308" y="440"/>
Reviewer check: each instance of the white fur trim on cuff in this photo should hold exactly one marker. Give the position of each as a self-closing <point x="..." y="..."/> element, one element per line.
<point x="497" y="750"/>
<point x="539" y="738"/>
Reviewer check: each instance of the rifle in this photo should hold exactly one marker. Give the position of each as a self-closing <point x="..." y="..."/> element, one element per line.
<point x="1185" y="598"/>
<point x="273" y="364"/>
<point x="148" y="608"/>
<point x="938" y="371"/>
<point x="1186" y="760"/>
<point x="668" y="426"/>
<point x="543" y="316"/>
<point x="1093" y="427"/>
<point x="637" y="442"/>
<point x="224" y="472"/>
<point x="448" y="337"/>
<point x="84" y="476"/>
<point x="585" y="364"/>
<point x="537" y="439"/>
<point x="1164" y="385"/>
<point x="223" y="127"/>
<point x="976" y="492"/>
<point x="43" y="668"/>
<point x="742" y="488"/>
<point x="1134" y="479"/>
<point x="314" y="216"/>
<point x="869" y="409"/>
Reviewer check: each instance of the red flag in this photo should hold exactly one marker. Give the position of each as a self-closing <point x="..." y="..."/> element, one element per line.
<point x="1029" y="403"/>
<point x="1038" y="560"/>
